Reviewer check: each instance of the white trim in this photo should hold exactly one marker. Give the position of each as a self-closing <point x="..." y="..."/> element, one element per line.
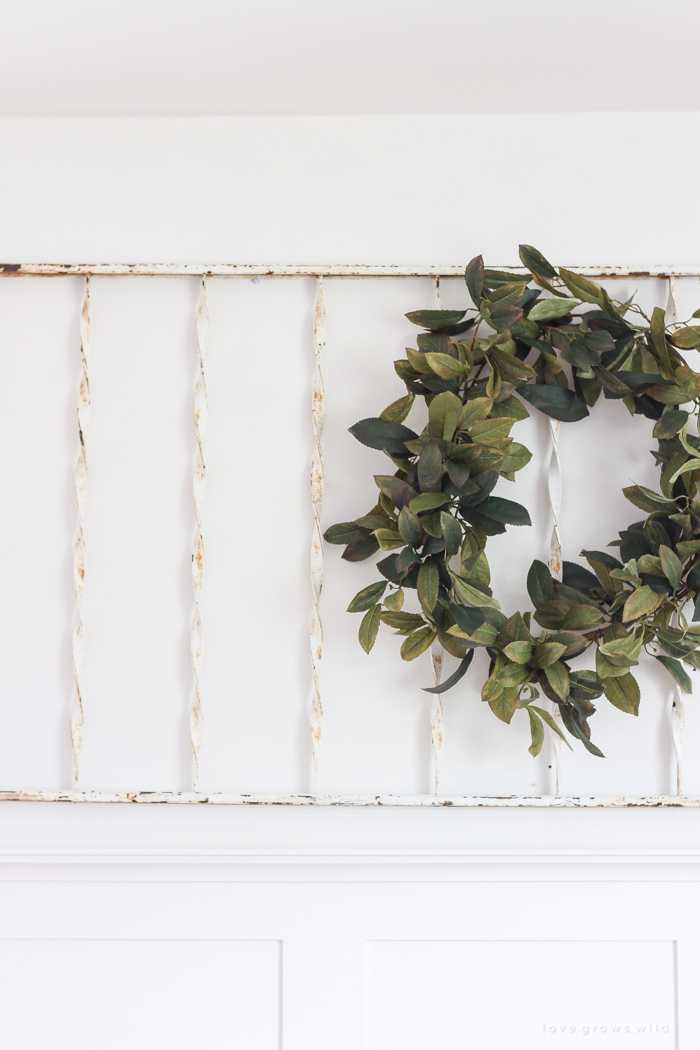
<point x="29" y="269"/>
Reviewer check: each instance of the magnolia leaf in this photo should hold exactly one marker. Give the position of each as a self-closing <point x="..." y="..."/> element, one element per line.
<point x="455" y="677"/>
<point x="580" y="286"/>
<point x="397" y="411"/>
<point x="445" y="366"/>
<point x="555" y="401"/>
<point x="474" y="411"/>
<point x="551" y="723"/>
<point x="671" y="565"/>
<point x="466" y="618"/>
<point x="677" y="672"/>
<point x="670" y="423"/>
<point x="647" y="500"/>
<point x="535" y="261"/>
<point x="686" y="338"/>
<point x="547" y="653"/>
<point x="490" y="431"/>
<point x="503" y="706"/>
<point x="428" y="582"/>
<point x="428" y="501"/>
<point x="550" y="309"/>
<point x="472" y="595"/>
<point x="436" y="320"/>
<point x="443" y="415"/>
<point x="474" y="276"/>
<point x="383" y="434"/>
<point x="417" y="643"/>
<point x="451" y="532"/>
<point x="345" y="532"/>
<point x="640" y="603"/>
<point x="369" y="627"/>
<point x="519" y="652"/>
<point x="394" y="601"/>
<point x="540" y="586"/>
<point x="409" y="527"/>
<point x="558" y="678"/>
<point x="623" y="693"/>
<point x="537" y="731"/>
<point x="388" y="540"/>
<point x="366" y="598"/>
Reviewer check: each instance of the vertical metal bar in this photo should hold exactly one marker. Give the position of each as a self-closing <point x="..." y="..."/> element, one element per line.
<point x="555" y="562"/>
<point x="437" y="711"/>
<point x="199" y="486"/>
<point x="677" y="711"/>
<point x="318" y="408"/>
<point x="81" y="478"/>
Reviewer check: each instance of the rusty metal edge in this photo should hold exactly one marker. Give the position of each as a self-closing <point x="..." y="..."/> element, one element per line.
<point x="416" y="801"/>
<point x="29" y="269"/>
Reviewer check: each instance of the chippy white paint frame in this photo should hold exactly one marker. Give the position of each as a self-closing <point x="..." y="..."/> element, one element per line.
<point x="195" y="797"/>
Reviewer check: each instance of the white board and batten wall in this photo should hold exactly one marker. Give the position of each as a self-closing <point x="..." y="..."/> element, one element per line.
<point x="308" y="927"/>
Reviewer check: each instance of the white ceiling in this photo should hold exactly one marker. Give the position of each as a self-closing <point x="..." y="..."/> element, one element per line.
<point x="222" y="57"/>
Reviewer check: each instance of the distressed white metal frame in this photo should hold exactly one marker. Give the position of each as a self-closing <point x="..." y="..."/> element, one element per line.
<point x="233" y="270"/>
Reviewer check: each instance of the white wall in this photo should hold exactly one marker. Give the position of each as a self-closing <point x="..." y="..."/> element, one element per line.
<point x="585" y="188"/>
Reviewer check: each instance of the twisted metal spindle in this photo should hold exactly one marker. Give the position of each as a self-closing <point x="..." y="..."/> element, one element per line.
<point x="555" y="564"/>
<point x="316" y="633"/>
<point x="677" y="710"/>
<point x="199" y="486"/>
<point x="81" y="478"/>
<point x="437" y="712"/>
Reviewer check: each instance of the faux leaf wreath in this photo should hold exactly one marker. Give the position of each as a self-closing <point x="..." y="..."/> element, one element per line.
<point x="437" y="511"/>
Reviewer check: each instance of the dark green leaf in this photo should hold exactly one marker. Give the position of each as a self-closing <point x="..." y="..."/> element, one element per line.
<point x="623" y="693"/>
<point x="535" y="261"/>
<point x="454" y="678"/>
<point x="452" y="533"/>
<point x="466" y="618"/>
<point x="670" y="423"/>
<point x="671" y="566"/>
<point x="474" y="276"/>
<point x="678" y="672"/>
<point x="551" y="309"/>
<point x="417" y="643"/>
<point x="551" y="723"/>
<point x="428" y="501"/>
<point x="361" y="550"/>
<point x="383" y="433"/>
<point x="537" y="731"/>
<point x="345" y="532"/>
<point x="555" y="401"/>
<point x="369" y="627"/>
<point x="580" y="286"/>
<point x="365" y="598"/>
<point x="409" y="527"/>
<point x="503" y="706"/>
<point x="397" y="411"/>
<point x="436" y="320"/>
<point x="585" y="685"/>
<point x="540" y="586"/>
<point x="504" y="510"/>
<point x="428" y="582"/>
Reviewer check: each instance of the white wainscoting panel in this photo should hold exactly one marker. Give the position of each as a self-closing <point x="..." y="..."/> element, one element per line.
<point x="349" y="950"/>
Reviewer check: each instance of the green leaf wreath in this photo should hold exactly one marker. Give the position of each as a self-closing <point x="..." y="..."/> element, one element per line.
<point x="437" y="510"/>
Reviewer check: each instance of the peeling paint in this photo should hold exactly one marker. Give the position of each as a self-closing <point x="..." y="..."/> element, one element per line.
<point x="415" y="801"/>
<point x="318" y="410"/>
<point x="555" y="567"/>
<point x="309" y="270"/>
<point x="77" y="717"/>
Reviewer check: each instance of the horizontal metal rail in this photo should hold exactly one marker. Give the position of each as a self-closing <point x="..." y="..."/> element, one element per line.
<point x="305" y="270"/>
<point x="415" y="801"/>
